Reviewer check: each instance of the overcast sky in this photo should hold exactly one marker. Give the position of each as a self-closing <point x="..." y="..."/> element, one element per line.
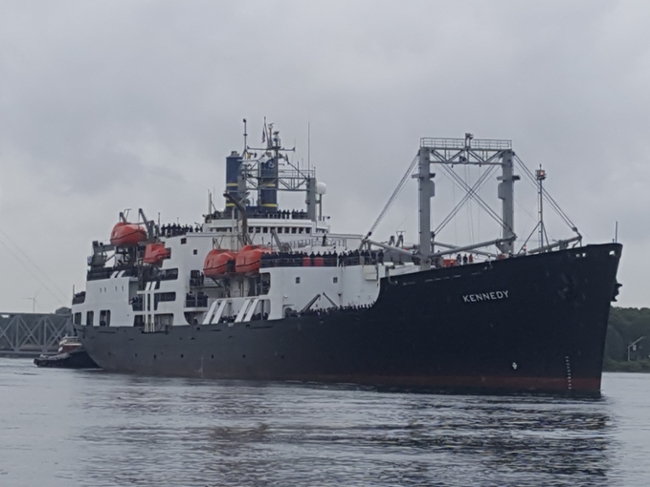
<point x="106" y="105"/>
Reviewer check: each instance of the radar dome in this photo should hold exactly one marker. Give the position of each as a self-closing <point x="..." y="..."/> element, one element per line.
<point x="321" y="188"/>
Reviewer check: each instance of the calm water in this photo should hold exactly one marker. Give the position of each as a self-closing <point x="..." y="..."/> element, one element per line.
<point x="89" y="428"/>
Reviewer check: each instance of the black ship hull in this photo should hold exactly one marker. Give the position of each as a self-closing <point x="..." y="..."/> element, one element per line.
<point x="531" y="323"/>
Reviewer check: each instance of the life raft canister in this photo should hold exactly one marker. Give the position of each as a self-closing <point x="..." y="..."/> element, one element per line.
<point x="216" y="263"/>
<point x="249" y="259"/>
<point x="127" y="234"/>
<point x="155" y="253"/>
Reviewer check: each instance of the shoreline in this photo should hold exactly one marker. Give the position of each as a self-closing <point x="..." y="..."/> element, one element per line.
<point x="625" y="366"/>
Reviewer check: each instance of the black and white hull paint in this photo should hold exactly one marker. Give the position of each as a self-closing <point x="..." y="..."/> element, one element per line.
<point x="528" y="323"/>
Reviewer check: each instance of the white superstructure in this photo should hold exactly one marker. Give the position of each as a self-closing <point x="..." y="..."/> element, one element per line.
<point x="304" y="269"/>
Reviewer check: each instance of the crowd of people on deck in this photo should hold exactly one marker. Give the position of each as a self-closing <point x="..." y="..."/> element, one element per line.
<point x="357" y="257"/>
<point x="278" y="214"/>
<point x="257" y="213"/>
<point x="464" y="259"/>
<point x="173" y="229"/>
<point x="296" y="314"/>
<point x="326" y="259"/>
<point x="329" y="311"/>
<point x="255" y="317"/>
<point x="350" y="258"/>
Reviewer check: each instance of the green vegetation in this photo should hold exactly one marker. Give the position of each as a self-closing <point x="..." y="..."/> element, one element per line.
<point x="627" y="326"/>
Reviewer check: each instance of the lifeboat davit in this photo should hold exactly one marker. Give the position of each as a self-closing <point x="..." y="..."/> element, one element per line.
<point x="249" y="259"/>
<point x="216" y="263"/>
<point x="155" y="253"/>
<point x="127" y="234"/>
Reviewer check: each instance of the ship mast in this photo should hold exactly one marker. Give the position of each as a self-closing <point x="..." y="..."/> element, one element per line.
<point x="467" y="151"/>
<point x="273" y="172"/>
<point x="540" y="176"/>
<point x="426" y="190"/>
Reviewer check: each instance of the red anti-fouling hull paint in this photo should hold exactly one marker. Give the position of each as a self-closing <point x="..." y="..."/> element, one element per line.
<point x="533" y="323"/>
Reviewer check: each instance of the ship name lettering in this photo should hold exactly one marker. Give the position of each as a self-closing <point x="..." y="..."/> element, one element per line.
<point x="489" y="296"/>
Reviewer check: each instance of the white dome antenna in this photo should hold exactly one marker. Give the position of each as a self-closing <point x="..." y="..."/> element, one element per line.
<point x="321" y="188"/>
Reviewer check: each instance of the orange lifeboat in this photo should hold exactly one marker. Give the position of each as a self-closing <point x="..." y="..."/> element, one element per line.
<point x="155" y="253"/>
<point x="216" y="263"/>
<point x="127" y="234"/>
<point x="249" y="259"/>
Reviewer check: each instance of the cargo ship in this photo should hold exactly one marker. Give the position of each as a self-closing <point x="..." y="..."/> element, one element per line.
<point x="257" y="292"/>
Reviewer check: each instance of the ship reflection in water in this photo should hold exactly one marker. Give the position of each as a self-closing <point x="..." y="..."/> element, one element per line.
<point x="176" y="432"/>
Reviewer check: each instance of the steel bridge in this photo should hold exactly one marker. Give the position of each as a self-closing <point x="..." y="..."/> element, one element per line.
<point x="32" y="333"/>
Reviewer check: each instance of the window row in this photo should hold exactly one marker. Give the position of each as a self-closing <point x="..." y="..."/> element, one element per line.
<point x="104" y="318"/>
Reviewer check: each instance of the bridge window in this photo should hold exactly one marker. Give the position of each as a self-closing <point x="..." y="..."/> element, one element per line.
<point x="168" y="274"/>
<point x="90" y="316"/>
<point x="171" y="296"/>
<point x="265" y="283"/>
<point x="163" y="297"/>
<point x="105" y="317"/>
<point x="77" y="318"/>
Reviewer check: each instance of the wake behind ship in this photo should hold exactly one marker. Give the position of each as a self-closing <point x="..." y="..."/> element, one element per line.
<point x="259" y="292"/>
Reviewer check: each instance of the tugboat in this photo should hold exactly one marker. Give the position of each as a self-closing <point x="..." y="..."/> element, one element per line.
<point x="264" y="293"/>
<point x="70" y="355"/>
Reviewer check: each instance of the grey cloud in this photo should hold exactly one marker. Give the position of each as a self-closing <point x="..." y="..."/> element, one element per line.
<point x="106" y="105"/>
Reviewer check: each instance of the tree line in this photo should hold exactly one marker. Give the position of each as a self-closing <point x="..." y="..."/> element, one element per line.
<point x="627" y="347"/>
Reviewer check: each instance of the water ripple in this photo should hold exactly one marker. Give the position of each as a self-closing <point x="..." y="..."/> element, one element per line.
<point x="87" y="428"/>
